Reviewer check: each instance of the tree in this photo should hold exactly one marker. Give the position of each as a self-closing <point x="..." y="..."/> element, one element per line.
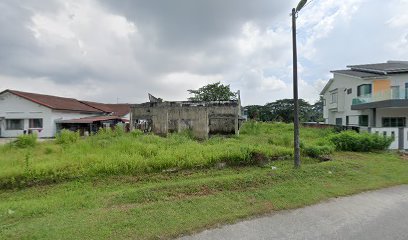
<point x="317" y="111"/>
<point x="213" y="92"/>
<point x="282" y="111"/>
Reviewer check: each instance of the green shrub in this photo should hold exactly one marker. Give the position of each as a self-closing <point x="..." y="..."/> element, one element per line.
<point x="67" y="137"/>
<point x="119" y="130"/>
<point x="251" y="127"/>
<point x="136" y="133"/>
<point x="360" y="142"/>
<point x="24" y="141"/>
<point x="316" y="151"/>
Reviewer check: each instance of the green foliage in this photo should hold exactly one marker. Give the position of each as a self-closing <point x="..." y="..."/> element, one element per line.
<point x="360" y="142"/>
<point x="25" y="141"/>
<point x="282" y="111"/>
<point x="251" y="127"/>
<point x="114" y="152"/>
<point x="316" y="151"/>
<point x="213" y="92"/>
<point x="136" y="133"/>
<point x="67" y="137"/>
<point x="168" y="205"/>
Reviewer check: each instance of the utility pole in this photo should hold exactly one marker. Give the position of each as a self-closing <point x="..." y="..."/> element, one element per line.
<point x="295" y="86"/>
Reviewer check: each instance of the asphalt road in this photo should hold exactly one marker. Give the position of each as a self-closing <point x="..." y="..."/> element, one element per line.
<point x="381" y="214"/>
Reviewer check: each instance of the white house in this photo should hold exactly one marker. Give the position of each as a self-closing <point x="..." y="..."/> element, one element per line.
<point x="23" y="112"/>
<point x="373" y="97"/>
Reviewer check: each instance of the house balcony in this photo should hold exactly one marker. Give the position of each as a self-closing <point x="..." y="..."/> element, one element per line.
<point x="383" y="99"/>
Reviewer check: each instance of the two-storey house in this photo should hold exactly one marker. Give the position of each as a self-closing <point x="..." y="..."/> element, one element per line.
<point x="373" y="97"/>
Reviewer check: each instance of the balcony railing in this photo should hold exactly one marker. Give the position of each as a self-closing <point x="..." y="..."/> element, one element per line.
<point x="381" y="96"/>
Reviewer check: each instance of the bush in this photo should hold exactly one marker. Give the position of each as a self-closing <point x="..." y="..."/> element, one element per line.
<point x="24" y="141"/>
<point x="316" y="151"/>
<point x="360" y="142"/>
<point x="67" y="137"/>
<point x="136" y="133"/>
<point x="251" y="127"/>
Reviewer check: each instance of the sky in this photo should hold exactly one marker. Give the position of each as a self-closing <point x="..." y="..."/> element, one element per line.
<point x="118" y="51"/>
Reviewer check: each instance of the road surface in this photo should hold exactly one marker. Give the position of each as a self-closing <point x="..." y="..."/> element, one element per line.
<point x="381" y="214"/>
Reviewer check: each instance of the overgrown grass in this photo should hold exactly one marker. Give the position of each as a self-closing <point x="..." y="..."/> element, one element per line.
<point x="165" y="205"/>
<point x="117" y="185"/>
<point x="118" y="153"/>
<point x="24" y="141"/>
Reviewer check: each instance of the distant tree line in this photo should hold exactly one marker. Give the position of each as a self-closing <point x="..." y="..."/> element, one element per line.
<point x="282" y="111"/>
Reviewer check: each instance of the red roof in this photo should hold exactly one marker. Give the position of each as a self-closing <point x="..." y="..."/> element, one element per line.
<point x="92" y="119"/>
<point x="120" y="109"/>
<point x="71" y="104"/>
<point x="54" y="102"/>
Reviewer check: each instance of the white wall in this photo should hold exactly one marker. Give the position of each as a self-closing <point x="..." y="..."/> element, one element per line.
<point x="390" y="112"/>
<point x="342" y="83"/>
<point x="399" y="80"/>
<point x="15" y="107"/>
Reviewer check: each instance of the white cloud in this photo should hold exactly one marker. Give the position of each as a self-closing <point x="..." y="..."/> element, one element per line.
<point x="104" y="49"/>
<point x="319" y="20"/>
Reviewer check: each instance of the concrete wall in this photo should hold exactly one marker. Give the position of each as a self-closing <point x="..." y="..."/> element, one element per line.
<point x="201" y="118"/>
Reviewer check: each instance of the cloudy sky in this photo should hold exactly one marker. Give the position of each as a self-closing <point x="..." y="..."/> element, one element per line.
<point x="109" y="50"/>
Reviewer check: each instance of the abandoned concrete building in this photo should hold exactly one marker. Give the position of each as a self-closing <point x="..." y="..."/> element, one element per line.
<point x="202" y="118"/>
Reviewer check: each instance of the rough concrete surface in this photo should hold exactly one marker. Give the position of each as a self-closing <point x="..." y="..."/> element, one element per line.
<point x="381" y="214"/>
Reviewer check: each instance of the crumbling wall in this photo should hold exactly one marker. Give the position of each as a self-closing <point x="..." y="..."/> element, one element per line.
<point x="224" y="118"/>
<point x="201" y="118"/>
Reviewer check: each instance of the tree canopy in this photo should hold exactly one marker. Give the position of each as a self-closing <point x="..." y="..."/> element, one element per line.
<point x="213" y="92"/>
<point x="282" y="111"/>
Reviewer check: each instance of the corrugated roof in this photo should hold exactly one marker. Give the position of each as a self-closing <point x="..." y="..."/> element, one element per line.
<point x="382" y="68"/>
<point x="359" y="74"/>
<point x="92" y="119"/>
<point x="119" y="109"/>
<point x="54" y="102"/>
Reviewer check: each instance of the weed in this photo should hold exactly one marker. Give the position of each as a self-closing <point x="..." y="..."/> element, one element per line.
<point x="25" y="141"/>
<point x="67" y="137"/>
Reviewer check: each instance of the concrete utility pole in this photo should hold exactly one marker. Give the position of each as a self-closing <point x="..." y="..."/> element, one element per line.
<point x="295" y="85"/>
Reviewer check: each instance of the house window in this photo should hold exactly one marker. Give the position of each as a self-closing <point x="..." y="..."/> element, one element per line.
<point x="363" y="120"/>
<point x="406" y="90"/>
<point x="339" y="121"/>
<point x="349" y="91"/>
<point x="36" y="123"/>
<point x="364" y="90"/>
<point x="395" y="92"/>
<point x="347" y="120"/>
<point x="393" y="122"/>
<point x="15" y="124"/>
<point x="334" y="97"/>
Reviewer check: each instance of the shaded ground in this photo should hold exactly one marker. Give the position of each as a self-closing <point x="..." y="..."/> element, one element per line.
<point x="378" y="214"/>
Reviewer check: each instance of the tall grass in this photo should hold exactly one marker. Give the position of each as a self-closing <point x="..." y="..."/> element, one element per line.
<point x="114" y="152"/>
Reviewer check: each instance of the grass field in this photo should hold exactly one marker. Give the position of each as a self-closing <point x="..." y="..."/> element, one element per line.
<point x="106" y="200"/>
<point x="117" y="153"/>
